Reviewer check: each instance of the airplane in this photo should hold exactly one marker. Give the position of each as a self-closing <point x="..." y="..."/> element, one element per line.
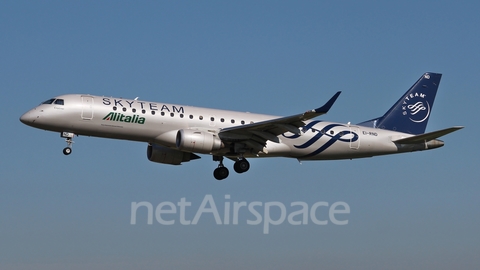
<point x="177" y="133"/>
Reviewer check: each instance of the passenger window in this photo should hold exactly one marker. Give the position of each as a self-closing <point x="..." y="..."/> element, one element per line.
<point x="212" y="119"/>
<point x="191" y="116"/>
<point x="114" y="108"/>
<point x="124" y="109"/>
<point x="233" y="121"/>
<point x="153" y="112"/>
<point x="243" y="122"/>
<point x="59" y="102"/>
<point x="134" y="110"/>
<point x="200" y="117"/>
<point x="222" y="120"/>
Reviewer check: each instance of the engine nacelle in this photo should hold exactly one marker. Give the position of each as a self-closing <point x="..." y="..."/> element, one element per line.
<point x="197" y="141"/>
<point x="165" y="155"/>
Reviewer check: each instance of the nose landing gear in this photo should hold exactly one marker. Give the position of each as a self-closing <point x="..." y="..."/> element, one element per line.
<point x="68" y="138"/>
<point x="67" y="151"/>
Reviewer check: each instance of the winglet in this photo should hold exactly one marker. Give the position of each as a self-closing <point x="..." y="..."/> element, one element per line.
<point x="325" y="108"/>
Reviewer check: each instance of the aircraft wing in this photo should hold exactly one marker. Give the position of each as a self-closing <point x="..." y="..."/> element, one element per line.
<point x="257" y="134"/>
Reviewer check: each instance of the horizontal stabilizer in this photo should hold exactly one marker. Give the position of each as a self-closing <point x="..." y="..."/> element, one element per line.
<point x="427" y="136"/>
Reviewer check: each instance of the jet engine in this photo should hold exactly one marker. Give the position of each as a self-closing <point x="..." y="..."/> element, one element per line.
<point x="161" y="154"/>
<point x="197" y="141"/>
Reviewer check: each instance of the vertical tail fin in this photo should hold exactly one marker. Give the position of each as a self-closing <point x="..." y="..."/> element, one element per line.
<point x="411" y="112"/>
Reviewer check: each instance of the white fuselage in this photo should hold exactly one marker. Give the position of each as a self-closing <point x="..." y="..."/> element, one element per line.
<point x="158" y="123"/>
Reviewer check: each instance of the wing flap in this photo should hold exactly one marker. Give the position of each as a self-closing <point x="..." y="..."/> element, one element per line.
<point x="265" y="135"/>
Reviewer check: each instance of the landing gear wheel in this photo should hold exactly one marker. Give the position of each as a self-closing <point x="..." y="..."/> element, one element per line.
<point x="67" y="151"/>
<point x="241" y="166"/>
<point x="220" y="173"/>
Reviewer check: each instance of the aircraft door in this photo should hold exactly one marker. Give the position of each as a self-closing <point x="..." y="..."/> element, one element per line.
<point x="355" y="138"/>
<point x="87" y="107"/>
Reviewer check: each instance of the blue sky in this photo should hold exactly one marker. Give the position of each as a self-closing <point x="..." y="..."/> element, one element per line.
<point x="417" y="211"/>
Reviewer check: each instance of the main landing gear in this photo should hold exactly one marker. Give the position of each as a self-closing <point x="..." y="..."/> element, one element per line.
<point x="241" y="165"/>
<point x="68" y="138"/>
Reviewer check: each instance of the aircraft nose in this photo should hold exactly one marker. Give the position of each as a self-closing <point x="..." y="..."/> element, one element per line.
<point x="28" y="118"/>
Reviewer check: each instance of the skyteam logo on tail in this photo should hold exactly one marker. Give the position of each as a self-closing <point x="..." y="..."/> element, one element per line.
<point x="416" y="107"/>
<point x="120" y="117"/>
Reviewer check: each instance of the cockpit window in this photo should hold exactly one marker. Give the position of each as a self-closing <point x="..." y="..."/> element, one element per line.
<point x="59" y="101"/>
<point x="50" y="101"/>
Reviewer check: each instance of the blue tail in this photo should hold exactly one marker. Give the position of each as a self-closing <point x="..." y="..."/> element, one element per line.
<point x="411" y="112"/>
